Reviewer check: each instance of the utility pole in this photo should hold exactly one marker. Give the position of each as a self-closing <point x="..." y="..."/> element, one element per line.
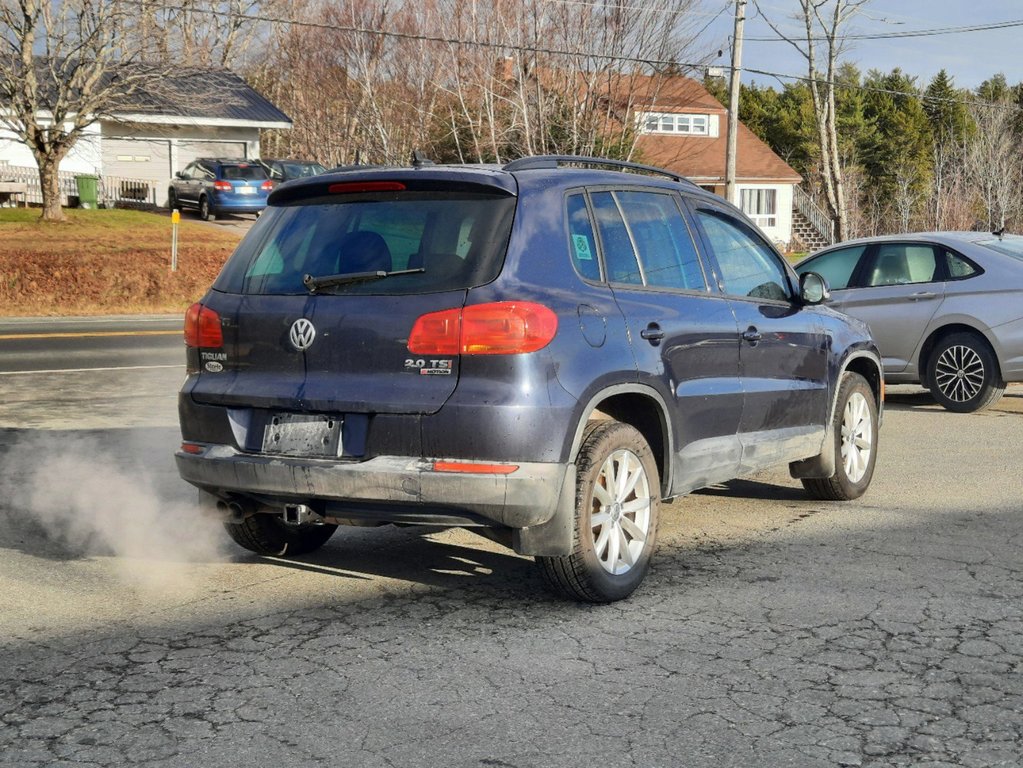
<point x="733" y="102"/>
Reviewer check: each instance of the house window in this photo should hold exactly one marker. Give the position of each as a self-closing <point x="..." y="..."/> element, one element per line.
<point x="686" y="125"/>
<point x="760" y="205"/>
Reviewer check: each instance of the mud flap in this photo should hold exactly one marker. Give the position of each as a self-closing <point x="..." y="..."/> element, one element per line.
<point x="555" y="537"/>
<point x="820" y="466"/>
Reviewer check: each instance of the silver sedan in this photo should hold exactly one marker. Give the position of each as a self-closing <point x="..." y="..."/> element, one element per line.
<point x="946" y="308"/>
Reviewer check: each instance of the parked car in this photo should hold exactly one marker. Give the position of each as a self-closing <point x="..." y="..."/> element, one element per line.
<point x="280" y="171"/>
<point x="215" y="186"/>
<point x="541" y="352"/>
<point x="946" y="308"/>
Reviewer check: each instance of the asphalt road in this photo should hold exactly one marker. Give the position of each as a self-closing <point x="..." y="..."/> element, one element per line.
<point x="773" y="631"/>
<point x="68" y="344"/>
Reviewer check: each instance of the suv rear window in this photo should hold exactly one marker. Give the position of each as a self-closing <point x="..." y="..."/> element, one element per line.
<point x="239" y="172"/>
<point x="454" y="241"/>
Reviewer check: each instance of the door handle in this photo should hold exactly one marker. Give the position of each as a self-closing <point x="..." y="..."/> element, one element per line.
<point x="652" y="333"/>
<point x="921" y="295"/>
<point x="752" y="335"/>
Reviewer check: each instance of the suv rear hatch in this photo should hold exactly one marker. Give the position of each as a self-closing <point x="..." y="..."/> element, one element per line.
<point x="317" y="304"/>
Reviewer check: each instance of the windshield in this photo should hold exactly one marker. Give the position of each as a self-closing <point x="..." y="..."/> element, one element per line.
<point x="299" y="170"/>
<point x="440" y="241"/>
<point x="1010" y="246"/>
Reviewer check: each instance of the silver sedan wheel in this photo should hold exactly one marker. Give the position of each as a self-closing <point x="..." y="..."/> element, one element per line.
<point x="620" y="517"/>
<point x="857" y="437"/>
<point x="959" y="373"/>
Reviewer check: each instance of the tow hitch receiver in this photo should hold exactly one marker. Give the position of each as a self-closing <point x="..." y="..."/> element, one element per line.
<point x="299" y="514"/>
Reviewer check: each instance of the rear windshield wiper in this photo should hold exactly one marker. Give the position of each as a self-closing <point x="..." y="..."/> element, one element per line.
<point x="313" y="284"/>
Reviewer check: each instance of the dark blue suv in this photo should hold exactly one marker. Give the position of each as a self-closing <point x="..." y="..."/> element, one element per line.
<point x="214" y="187"/>
<point x="543" y="351"/>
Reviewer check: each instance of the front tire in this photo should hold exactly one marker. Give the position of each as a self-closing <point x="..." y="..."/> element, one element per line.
<point x="962" y="374"/>
<point x="267" y="534"/>
<point x="855" y="432"/>
<point x="617" y="503"/>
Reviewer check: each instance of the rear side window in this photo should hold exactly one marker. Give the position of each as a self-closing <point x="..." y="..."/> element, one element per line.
<point x="583" y="244"/>
<point x="958" y="267"/>
<point x="450" y="241"/>
<point x="903" y="263"/>
<point x="646" y="240"/>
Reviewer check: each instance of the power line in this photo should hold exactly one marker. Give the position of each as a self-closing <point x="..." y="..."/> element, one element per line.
<point x="1010" y="24"/>
<point x="523" y="47"/>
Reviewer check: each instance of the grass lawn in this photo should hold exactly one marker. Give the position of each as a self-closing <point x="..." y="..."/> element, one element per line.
<point x="104" y="262"/>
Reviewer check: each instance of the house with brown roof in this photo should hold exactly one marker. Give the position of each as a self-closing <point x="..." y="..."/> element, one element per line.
<point x="684" y="128"/>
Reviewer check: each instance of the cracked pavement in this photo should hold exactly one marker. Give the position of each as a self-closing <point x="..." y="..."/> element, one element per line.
<point x="773" y="631"/>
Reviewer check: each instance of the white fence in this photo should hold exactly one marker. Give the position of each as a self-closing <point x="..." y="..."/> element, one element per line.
<point x="112" y="191"/>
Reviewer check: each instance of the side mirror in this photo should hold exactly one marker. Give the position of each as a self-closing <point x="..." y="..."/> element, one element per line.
<point x="180" y="175"/>
<point x="813" y="288"/>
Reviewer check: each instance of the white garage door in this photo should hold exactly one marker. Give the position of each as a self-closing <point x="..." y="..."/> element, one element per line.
<point x="147" y="159"/>
<point x="190" y="150"/>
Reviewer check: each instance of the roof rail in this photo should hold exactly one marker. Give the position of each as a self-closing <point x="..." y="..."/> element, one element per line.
<point x="555" y="161"/>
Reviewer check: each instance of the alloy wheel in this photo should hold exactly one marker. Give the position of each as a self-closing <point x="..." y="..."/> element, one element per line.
<point x="959" y="373"/>
<point x="620" y="516"/>
<point x="857" y="437"/>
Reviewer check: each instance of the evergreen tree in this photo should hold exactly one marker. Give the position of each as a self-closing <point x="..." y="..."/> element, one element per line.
<point x="897" y="155"/>
<point x="946" y="110"/>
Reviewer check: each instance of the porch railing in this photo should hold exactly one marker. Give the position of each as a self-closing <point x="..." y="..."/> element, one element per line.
<point x="813" y="213"/>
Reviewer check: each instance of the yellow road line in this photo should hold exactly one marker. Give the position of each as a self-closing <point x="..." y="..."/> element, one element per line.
<point x="87" y="334"/>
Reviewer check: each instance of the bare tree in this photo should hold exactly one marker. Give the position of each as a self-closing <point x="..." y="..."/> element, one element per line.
<point x="556" y="77"/>
<point x="993" y="164"/>
<point x="66" y="64"/>
<point x="470" y="80"/>
<point x="821" y="45"/>
<point x="63" y="65"/>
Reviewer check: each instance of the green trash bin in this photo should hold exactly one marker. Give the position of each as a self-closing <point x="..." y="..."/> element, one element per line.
<point x="88" y="191"/>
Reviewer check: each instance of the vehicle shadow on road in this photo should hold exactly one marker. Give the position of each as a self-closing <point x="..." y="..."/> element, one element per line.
<point x="910" y="400"/>
<point x="428" y="557"/>
<point x="754" y="489"/>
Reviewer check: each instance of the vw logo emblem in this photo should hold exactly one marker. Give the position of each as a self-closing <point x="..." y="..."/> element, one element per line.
<point x="302" y="334"/>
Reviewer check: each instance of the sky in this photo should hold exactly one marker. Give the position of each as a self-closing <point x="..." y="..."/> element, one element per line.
<point x="969" y="57"/>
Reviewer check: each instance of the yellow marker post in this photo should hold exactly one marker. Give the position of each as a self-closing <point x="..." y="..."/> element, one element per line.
<point x="175" y="220"/>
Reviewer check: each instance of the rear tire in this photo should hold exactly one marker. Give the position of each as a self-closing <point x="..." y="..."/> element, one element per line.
<point x="962" y="374"/>
<point x="617" y="502"/>
<point x="855" y="433"/>
<point x="269" y="535"/>
<point x="206" y="213"/>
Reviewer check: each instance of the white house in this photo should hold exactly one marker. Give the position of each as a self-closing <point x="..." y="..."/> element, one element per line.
<point x="197" y="113"/>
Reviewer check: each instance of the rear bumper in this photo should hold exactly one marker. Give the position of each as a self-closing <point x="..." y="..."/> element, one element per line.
<point x="242" y="207"/>
<point x="406" y="486"/>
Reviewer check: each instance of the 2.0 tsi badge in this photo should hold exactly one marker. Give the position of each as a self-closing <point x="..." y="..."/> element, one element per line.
<point x="302" y="334"/>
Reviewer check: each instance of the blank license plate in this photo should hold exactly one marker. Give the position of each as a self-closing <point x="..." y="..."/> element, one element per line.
<point x="245" y="190"/>
<point x="301" y="434"/>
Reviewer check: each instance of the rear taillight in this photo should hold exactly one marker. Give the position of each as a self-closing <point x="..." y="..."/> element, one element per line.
<point x="222" y="186"/>
<point x="498" y="328"/>
<point x="267" y="185"/>
<point x="202" y="327"/>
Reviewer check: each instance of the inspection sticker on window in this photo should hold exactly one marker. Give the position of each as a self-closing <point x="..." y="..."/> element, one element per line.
<point x="582" y="247"/>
